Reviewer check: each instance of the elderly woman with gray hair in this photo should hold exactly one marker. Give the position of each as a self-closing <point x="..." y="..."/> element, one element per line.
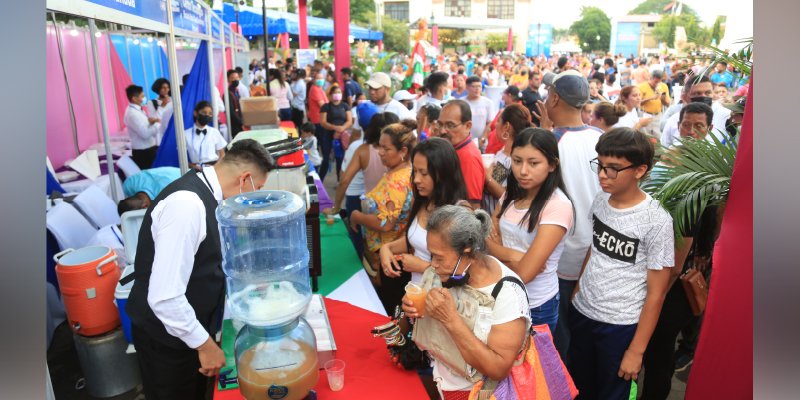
<point x="475" y="317"/>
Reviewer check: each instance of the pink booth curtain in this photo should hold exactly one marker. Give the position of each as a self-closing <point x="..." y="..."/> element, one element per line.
<point x="81" y="84"/>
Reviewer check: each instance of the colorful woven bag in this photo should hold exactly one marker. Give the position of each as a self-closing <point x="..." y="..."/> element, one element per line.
<point x="537" y="374"/>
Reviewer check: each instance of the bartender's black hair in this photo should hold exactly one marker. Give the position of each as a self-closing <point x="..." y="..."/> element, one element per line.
<point x="249" y="152"/>
<point x="132" y="90"/>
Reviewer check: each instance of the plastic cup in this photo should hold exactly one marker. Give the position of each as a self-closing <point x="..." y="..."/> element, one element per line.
<point x="329" y="219"/>
<point x="417" y="296"/>
<point x="335" y="371"/>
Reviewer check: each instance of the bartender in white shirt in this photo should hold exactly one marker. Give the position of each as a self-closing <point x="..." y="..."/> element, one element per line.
<point x="204" y="143"/>
<point x="161" y="107"/>
<point x="142" y="129"/>
<point x="176" y="303"/>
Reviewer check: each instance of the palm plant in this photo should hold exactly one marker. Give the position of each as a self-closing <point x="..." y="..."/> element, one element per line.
<point x="692" y="176"/>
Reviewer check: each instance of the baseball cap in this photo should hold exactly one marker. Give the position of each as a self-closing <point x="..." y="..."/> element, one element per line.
<point x="570" y="86"/>
<point x="401" y="95"/>
<point x="364" y="112"/>
<point x="379" y="80"/>
<point x="737" y="107"/>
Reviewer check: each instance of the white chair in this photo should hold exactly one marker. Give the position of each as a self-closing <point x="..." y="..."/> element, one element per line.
<point x="70" y="228"/>
<point x="103" y="182"/>
<point x="98" y="208"/>
<point x="128" y="166"/>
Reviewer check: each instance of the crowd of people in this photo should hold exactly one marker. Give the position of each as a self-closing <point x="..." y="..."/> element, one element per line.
<point x="543" y="187"/>
<point x="447" y="188"/>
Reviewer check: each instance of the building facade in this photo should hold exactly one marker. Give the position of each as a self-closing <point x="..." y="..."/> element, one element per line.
<point x="484" y="15"/>
<point x="633" y="35"/>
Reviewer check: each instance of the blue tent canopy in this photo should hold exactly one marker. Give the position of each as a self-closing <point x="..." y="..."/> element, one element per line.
<point x="281" y="22"/>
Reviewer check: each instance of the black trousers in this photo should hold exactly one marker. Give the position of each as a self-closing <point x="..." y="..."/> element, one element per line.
<point x="297" y="118"/>
<point x="659" y="358"/>
<point x="168" y="373"/>
<point x="144" y="158"/>
<point x="392" y="290"/>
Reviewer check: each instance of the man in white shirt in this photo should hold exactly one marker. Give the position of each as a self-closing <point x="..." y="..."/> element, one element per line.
<point x="379" y="87"/>
<point x="569" y="91"/>
<point x="204" y="143"/>
<point x="142" y="129"/>
<point x="699" y="91"/>
<point x="177" y="298"/>
<point x="481" y="108"/>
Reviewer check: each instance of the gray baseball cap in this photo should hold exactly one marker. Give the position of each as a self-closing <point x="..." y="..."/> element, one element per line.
<point x="570" y="86"/>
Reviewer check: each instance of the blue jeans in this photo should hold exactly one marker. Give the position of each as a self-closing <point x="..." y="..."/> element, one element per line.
<point x="547" y="313"/>
<point x="352" y="203"/>
<point x="596" y="349"/>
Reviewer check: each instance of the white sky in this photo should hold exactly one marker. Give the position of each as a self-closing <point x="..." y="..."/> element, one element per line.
<point x="562" y="13"/>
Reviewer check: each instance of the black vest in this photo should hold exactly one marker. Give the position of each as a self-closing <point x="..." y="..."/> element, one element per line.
<point x="206" y="289"/>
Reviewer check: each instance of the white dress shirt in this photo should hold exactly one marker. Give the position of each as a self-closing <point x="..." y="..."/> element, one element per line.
<point x="218" y="99"/>
<point x="164" y="112"/>
<point x="671" y="132"/>
<point x="143" y="135"/>
<point x="244" y="92"/>
<point x="178" y="228"/>
<point x="203" y="148"/>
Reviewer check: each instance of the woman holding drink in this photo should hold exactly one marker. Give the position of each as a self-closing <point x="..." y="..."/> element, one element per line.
<point x="486" y="342"/>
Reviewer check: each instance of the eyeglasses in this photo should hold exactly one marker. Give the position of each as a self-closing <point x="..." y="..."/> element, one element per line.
<point x="611" y="172"/>
<point x="700" y="127"/>
<point x="448" y="126"/>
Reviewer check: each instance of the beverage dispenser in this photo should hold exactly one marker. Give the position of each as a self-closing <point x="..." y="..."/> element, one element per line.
<point x="265" y="260"/>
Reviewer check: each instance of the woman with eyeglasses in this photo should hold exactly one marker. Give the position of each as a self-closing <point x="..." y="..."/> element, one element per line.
<point x="532" y="221"/>
<point x="479" y="344"/>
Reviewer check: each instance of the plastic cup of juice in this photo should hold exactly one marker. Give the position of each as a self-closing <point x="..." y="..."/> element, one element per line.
<point x="417" y="296"/>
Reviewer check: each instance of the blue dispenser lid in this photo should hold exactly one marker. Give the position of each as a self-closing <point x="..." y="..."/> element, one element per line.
<point x="263" y="206"/>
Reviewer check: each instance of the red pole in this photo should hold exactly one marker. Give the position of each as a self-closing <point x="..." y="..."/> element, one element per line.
<point x="302" y="14"/>
<point x="341" y="35"/>
<point x="435" y="36"/>
<point x="510" y="46"/>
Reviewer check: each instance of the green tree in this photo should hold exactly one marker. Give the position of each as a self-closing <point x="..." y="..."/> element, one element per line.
<point x="657" y="7"/>
<point x="593" y="29"/>
<point x="560" y="34"/>
<point x="291" y="6"/>
<point x="395" y="33"/>
<point x="497" y="41"/>
<point x="664" y="30"/>
<point x="360" y="10"/>
<point x="717" y="31"/>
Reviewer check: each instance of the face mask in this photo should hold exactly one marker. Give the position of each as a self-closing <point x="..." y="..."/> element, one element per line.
<point x="144" y="101"/>
<point x="460" y="280"/>
<point x="320" y="82"/>
<point x="702" y="99"/>
<point x="204" y="120"/>
<point x="410" y="106"/>
<point x="234" y="83"/>
<point x="446" y="96"/>
<point x="336" y="97"/>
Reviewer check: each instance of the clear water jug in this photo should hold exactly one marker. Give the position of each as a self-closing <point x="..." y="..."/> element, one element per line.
<point x="265" y="256"/>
